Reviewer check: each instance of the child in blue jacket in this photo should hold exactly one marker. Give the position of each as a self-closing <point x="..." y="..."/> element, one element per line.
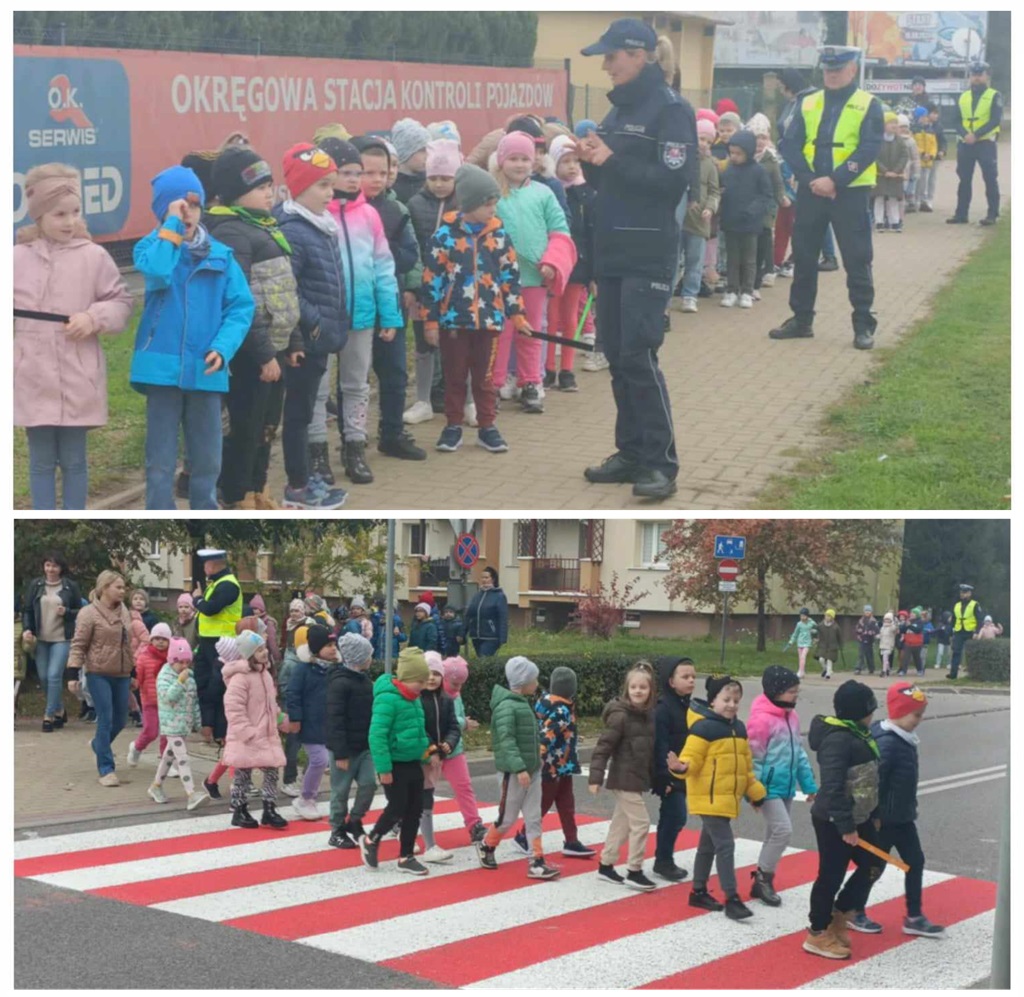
<point x="198" y="310"/>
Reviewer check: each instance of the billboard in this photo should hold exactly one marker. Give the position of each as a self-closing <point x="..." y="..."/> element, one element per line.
<point x="940" y="39"/>
<point x="121" y="116"/>
<point x="769" y="38"/>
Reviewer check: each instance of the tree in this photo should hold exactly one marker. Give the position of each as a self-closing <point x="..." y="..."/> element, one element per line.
<point x="939" y="554"/>
<point x="819" y="559"/>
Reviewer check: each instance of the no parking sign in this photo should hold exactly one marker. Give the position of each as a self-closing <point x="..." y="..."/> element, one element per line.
<point x="467" y="550"/>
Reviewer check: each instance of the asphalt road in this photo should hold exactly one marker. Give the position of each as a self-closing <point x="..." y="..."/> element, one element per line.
<point x="110" y="945"/>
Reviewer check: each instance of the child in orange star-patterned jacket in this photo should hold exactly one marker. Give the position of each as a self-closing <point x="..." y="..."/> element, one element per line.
<point x="470" y="286"/>
<point x="556" y="712"/>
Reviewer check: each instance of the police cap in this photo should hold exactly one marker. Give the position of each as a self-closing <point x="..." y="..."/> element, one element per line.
<point x="627" y="32"/>
<point x="978" y="68"/>
<point x="966" y="587"/>
<point x="835" y="56"/>
<point x="211" y="554"/>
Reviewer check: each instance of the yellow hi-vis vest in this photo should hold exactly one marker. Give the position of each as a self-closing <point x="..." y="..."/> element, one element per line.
<point x="221" y="624"/>
<point x="847" y="133"/>
<point x="965" y="619"/>
<point x="974" y="118"/>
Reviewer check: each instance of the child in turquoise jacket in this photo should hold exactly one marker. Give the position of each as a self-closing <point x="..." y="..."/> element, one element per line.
<point x="804" y="635"/>
<point x="197" y="313"/>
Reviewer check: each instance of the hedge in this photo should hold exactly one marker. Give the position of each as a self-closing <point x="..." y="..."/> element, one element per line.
<point x="988" y="660"/>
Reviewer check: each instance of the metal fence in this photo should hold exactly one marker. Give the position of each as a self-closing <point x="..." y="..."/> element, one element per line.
<point x="435" y="573"/>
<point x="555" y="574"/>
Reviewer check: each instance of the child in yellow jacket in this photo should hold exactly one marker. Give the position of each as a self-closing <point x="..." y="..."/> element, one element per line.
<point x="719" y="771"/>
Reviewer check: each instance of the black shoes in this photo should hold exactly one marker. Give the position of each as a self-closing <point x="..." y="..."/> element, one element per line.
<point x="47" y="726"/>
<point x="793" y="328"/>
<point x="989" y="221"/>
<point x="339" y="839"/>
<point x="403" y="447"/>
<point x="863" y="340"/>
<point x="477" y="833"/>
<point x="654" y="485"/>
<point x="212" y="789"/>
<point x="356" y="469"/>
<point x="271" y="818"/>
<point x="956" y="220"/>
<point x="828" y="264"/>
<point x="242" y="818"/>
<point x="736" y="909"/>
<point x="670" y="871"/>
<point x="320" y="462"/>
<point x="368" y="847"/>
<point x="485" y="856"/>
<point x="550" y="379"/>
<point x="607" y="874"/>
<point x="530" y="400"/>
<point x="615" y="470"/>
<point x="60" y="720"/>
<point x="763" y="888"/>
<point x="567" y="381"/>
<point x="704" y="900"/>
<point x="636" y="880"/>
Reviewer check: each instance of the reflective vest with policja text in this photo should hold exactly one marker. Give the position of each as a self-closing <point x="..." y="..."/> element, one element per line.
<point x="965" y="619"/>
<point x="975" y="118"/>
<point x="221" y="624"/>
<point x="847" y="132"/>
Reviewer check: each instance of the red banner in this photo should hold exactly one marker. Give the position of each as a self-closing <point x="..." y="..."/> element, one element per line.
<point x="121" y="116"/>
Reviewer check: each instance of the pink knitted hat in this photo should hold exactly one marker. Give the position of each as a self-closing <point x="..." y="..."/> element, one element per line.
<point x="443" y="158"/>
<point x="516" y="143"/>
<point x="178" y="650"/>
<point x="706" y="128"/>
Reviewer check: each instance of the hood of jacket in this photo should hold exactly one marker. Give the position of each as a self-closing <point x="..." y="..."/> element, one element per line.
<point x="821" y="729"/>
<point x="762" y="704"/>
<point x="499" y="694"/>
<point x="235" y="668"/>
<point x="664" y="667"/>
<point x="747" y="141"/>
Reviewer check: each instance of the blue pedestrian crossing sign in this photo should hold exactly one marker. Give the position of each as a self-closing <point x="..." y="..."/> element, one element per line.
<point x="467" y="550"/>
<point x="733" y="547"/>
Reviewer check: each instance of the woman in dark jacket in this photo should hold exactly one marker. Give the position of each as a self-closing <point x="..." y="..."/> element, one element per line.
<point x="487" y="616"/>
<point x="51" y="606"/>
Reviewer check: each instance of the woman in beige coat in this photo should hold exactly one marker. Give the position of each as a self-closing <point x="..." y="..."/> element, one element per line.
<point x="102" y="646"/>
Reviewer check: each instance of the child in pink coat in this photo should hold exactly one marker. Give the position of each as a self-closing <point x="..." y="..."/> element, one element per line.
<point x="253" y="741"/>
<point x="60" y="375"/>
<point x="455" y="767"/>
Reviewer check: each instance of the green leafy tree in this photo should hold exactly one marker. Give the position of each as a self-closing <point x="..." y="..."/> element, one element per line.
<point x="819" y="559"/>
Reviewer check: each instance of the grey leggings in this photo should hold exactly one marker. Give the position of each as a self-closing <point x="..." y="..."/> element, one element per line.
<point x="716" y="845"/>
<point x="353" y="386"/>
<point x="778" y="829"/>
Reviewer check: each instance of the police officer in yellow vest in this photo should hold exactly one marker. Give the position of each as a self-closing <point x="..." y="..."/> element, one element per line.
<point x="967" y="617"/>
<point x="981" y="113"/>
<point x="831" y="145"/>
<point x="219" y="608"/>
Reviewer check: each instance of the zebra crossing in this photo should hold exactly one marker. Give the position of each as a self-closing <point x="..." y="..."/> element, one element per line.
<point x="463" y="926"/>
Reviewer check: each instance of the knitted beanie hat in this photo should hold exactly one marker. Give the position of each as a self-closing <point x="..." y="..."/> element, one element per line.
<point x="474" y="187"/>
<point x="356" y="651"/>
<point x="443" y="158"/>
<point x="173" y="184"/>
<point x="409" y="137"/>
<point x="903" y="698"/>
<point x="161" y="630"/>
<point x="185" y="600"/>
<point x="178" y="650"/>
<point x="455" y="670"/>
<point x="854" y="700"/>
<point x="237" y="171"/>
<point x="516" y="143"/>
<point x="304" y="165"/>
<point x="249" y="643"/>
<point x="434" y="662"/>
<point x="563" y="683"/>
<point x="776" y="680"/>
<point x="227" y="649"/>
<point x="716" y="683"/>
<point x="318" y="637"/>
<point x="705" y="129"/>
<point x="412" y="667"/>
<point x="520" y="671"/>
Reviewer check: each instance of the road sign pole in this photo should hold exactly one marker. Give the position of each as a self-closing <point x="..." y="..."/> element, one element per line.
<point x="1000" y="979"/>
<point x="725" y="616"/>
<point x="389" y="610"/>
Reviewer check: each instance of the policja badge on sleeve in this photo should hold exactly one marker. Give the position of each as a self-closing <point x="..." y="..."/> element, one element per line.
<point x="673" y="155"/>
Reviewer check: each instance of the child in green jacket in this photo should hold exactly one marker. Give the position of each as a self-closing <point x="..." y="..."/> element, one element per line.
<point x="516" y="743"/>
<point x="399" y="746"/>
<point x="804" y="634"/>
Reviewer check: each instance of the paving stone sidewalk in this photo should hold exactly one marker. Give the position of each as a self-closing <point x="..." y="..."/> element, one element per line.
<point x="745" y="407"/>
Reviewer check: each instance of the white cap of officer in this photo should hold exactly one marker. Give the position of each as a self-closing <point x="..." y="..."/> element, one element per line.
<point x="212" y="554"/>
<point x="836" y="56"/>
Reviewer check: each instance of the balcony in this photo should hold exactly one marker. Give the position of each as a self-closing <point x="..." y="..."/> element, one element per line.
<point x="554" y="574"/>
<point x="435" y="572"/>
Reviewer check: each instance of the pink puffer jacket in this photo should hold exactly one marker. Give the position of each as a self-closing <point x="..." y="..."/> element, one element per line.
<point x="250" y="705"/>
<point x="60" y="381"/>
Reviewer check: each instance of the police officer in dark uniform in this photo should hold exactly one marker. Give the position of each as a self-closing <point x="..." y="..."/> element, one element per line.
<point x="831" y="145"/>
<point x="642" y="160"/>
<point x="980" y="115"/>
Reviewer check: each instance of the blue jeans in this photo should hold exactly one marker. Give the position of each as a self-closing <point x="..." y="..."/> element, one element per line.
<point x="50" y="447"/>
<point x="671" y="820"/>
<point x="485" y="648"/>
<point x="360" y="769"/>
<point x="693" y="267"/>
<point x="51" y="658"/>
<point x="110" y="697"/>
<point x="828" y="244"/>
<point x="199" y="412"/>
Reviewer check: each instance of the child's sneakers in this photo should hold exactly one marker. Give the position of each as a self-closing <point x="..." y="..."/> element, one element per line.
<point x="746" y="300"/>
<point x="133" y="755"/>
<point x="577" y="850"/>
<point x="859" y="921"/>
<point x="368" y="846"/>
<point x="922" y="926"/>
<point x="450" y="439"/>
<point x="156" y="793"/>
<point x="550" y="378"/>
<point x="485" y="855"/>
<point x="689" y="306"/>
<point x="521" y="843"/>
<point x="340" y="839"/>
<point x="567" y="381"/>
<point x="729" y="300"/>
<point x="825" y="944"/>
<point x="418" y="412"/>
<point x="314" y="496"/>
<point x="768" y="280"/>
<point x="704" y="900"/>
<point x="638" y="881"/>
<point x="736" y="909"/>
<point x="491" y="440"/>
<point x="670" y="871"/>
<point x="763" y="888"/>
<point x="539" y="869"/>
<point x="437" y="854"/>
<point x="411" y="865"/>
<point x="306" y="809"/>
<point x="477" y="832"/>
<point x="292" y="789"/>
<point x="607" y="874"/>
<point x="530" y="400"/>
<point x="195" y="798"/>
<point x="212" y="789"/>
<point x="507" y="391"/>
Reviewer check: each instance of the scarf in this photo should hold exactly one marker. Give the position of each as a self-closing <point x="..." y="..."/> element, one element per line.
<point x="324" y="222"/>
<point x="909" y="736"/>
<point x="199" y="247"/>
<point x="261" y="219"/>
<point x="855" y="728"/>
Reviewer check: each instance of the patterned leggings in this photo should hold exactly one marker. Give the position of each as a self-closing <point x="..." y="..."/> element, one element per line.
<point x="176" y="751"/>
<point x="242" y="783"/>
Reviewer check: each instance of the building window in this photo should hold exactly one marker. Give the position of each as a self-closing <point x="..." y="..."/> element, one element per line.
<point x="652" y="545"/>
<point x="592" y="540"/>
<point x="533" y="537"/>
<point x="154" y="550"/>
<point x="418" y="538"/>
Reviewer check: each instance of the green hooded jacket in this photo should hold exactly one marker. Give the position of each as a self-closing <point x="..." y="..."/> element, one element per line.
<point x="514" y="734"/>
<point x="397" y="727"/>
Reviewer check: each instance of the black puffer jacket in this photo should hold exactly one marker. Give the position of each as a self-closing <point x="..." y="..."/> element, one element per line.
<point x="407" y="184"/>
<point x="441" y="722"/>
<point x="268" y="270"/>
<point x="426" y="212"/>
<point x="670" y="727"/>
<point x="747" y="194"/>
<point x="897" y="776"/>
<point x="349" y="707"/>
<point x="581" y="224"/>
<point x="316" y="263"/>
<point x="848" y="793"/>
<point x="625" y="748"/>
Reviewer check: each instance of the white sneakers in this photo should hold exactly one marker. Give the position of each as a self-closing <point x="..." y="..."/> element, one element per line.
<point x="437" y="854"/>
<point x="194" y="799"/>
<point x="292" y="789"/>
<point x="729" y="300"/>
<point x="746" y="301"/>
<point x="133" y="755"/>
<point x="508" y="390"/>
<point x="756" y="294"/>
<point x="156" y="793"/>
<point x="689" y="305"/>
<point x="306" y="809"/>
<point x="418" y="412"/>
<point x="768" y="280"/>
<point x="109" y="780"/>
